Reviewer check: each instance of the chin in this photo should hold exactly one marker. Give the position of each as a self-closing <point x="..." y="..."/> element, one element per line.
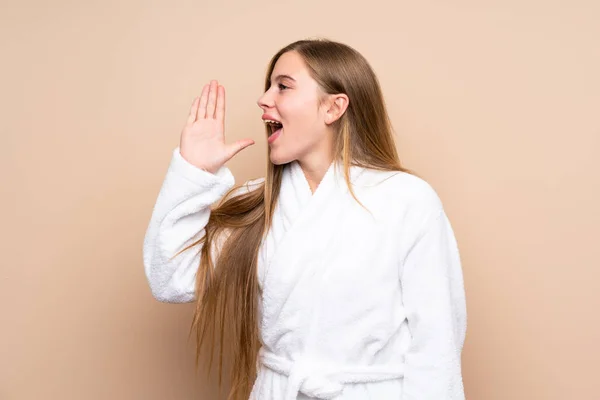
<point x="280" y="159"/>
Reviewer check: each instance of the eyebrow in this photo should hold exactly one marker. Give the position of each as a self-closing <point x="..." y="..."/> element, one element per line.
<point x="279" y="77"/>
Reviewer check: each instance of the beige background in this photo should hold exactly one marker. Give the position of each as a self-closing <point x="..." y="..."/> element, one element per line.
<point x="496" y="104"/>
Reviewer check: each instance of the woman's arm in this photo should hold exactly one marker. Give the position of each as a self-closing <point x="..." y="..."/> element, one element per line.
<point x="434" y="300"/>
<point x="180" y="214"/>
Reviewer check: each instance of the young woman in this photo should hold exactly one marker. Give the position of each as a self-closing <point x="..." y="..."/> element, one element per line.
<point x="337" y="276"/>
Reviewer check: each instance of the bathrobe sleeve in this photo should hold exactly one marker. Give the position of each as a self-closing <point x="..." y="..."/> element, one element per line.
<point x="178" y="219"/>
<point x="434" y="300"/>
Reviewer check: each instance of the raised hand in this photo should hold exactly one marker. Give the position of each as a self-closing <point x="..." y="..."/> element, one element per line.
<point x="202" y="140"/>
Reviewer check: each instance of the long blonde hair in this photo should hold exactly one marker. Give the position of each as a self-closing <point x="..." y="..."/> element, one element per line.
<point x="227" y="287"/>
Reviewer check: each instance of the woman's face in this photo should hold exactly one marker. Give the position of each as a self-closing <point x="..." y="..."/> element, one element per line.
<point x="293" y="100"/>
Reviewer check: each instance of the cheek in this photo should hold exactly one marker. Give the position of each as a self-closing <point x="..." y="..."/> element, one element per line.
<point x="299" y="109"/>
<point x="302" y="119"/>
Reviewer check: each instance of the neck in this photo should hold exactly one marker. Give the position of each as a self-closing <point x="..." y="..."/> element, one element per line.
<point x="314" y="170"/>
<point x="316" y="163"/>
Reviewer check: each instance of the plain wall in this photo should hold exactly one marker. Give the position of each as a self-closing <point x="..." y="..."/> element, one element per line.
<point x="495" y="103"/>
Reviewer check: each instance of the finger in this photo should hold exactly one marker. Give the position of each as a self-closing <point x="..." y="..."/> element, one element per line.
<point x="238" y="146"/>
<point x="220" y="114"/>
<point x="212" y="100"/>
<point x="203" y="101"/>
<point x="193" y="111"/>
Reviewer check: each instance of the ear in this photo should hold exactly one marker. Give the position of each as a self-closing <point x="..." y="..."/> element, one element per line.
<point x="336" y="107"/>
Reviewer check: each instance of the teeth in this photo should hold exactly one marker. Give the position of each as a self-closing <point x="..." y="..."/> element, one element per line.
<point x="269" y="121"/>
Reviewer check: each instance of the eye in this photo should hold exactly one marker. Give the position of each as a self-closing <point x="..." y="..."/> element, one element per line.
<point x="282" y="86"/>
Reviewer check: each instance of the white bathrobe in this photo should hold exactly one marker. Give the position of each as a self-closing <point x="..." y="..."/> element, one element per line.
<point x="354" y="303"/>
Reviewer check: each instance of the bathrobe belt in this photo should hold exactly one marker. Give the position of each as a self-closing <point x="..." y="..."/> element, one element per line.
<point x="323" y="382"/>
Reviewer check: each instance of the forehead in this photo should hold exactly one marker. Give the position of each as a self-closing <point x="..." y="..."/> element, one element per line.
<point x="292" y="64"/>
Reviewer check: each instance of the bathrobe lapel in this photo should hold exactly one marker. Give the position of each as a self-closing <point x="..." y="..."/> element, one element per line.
<point x="310" y="219"/>
<point x="312" y="225"/>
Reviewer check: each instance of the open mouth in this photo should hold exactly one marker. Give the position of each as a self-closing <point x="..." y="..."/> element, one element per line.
<point x="274" y="126"/>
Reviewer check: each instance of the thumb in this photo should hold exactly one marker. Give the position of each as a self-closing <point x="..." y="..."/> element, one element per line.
<point x="238" y="146"/>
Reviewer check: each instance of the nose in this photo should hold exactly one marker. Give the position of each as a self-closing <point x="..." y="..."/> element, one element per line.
<point x="265" y="101"/>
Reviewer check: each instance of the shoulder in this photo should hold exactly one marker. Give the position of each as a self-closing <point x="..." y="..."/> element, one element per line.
<point x="402" y="190"/>
<point x="399" y="199"/>
<point x="407" y="203"/>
